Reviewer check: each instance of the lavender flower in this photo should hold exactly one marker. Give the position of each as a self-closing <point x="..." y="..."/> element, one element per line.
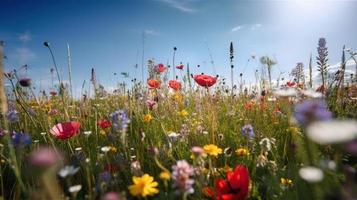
<point x="311" y="110"/>
<point x="181" y="173"/>
<point x="247" y="130"/>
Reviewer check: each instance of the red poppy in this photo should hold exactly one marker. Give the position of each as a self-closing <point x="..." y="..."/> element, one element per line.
<point x="236" y="185"/>
<point x="290" y="84"/>
<point x="53" y="93"/>
<point x="205" y="80"/>
<point x="248" y="105"/>
<point x="104" y="124"/>
<point x="176" y="85"/>
<point x="180" y="66"/>
<point x="65" y="130"/>
<point x="160" y="68"/>
<point x="153" y="83"/>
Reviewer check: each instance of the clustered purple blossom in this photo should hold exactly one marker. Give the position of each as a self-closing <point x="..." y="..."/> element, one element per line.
<point x="119" y="120"/>
<point x="12" y="116"/>
<point x="248" y="131"/>
<point x="311" y="110"/>
<point x="181" y="173"/>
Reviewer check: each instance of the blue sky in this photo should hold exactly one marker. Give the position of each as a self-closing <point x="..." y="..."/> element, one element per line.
<point x="107" y="35"/>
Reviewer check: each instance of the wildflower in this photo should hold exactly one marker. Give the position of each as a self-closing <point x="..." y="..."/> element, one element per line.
<point x="68" y="171"/>
<point x="262" y="160"/>
<point x="312" y="94"/>
<point x="205" y="80"/>
<point x="104" y="124"/>
<point x="175" y="85"/>
<point x="53" y="112"/>
<point x="150" y="104"/>
<point x="65" y="130"/>
<point x="197" y="150"/>
<point x="311" y="174"/>
<point x="75" y="188"/>
<point x="45" y="157"/>
<point x="12" y="116"/>
<point x="335" y="131"/>
<point x="53" y="93"/>
<point x="143" y="186"/>
<point x="227" y="152"/>
<point x="120" y="120"/>
<point x="165" y="176"/>
<point x="212" y="150"/>
<point x="290" y="83"/>
<point x="147" y="118"/>
<point x="105" y="149"/>
<point x="242" y="152"/>
<point x="286" y="182"/>
<point x="20" y="139"/>
<point x="87" y="133"/>
<point x="247" y="130"/>
<point x="180" y="66"/>
<point x="181" y="173"/>
<point x="266" y="144"/>
<point x="311" y="110"/>
<point x="236" y="185"/>
<point x="153" y="83"/>
<point x="172" y="136"/>
<point x="183" y="113"/>
<point x="25" y="82"/>
<point x="111" y="196"/>
<point x="160" y="68"/>
<point x="249" y="105"/>
<point x="208" y="192"/>
<point x="135" y="168"/>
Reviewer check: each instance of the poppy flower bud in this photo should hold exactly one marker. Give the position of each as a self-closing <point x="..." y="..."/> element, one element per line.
<point x="46" y="44"/>
<point x="25" y="82"/>
<point x="175" y="48"/>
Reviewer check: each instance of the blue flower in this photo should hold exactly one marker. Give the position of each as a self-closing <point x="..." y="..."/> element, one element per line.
<point x="247" y="130"/>
<point x="311" y="110"/>
<point x="20" y="139"/>
<point x="119" y="120"/>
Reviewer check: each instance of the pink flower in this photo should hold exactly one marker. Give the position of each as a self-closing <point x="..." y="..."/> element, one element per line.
<point x="150" y="104"/>
<point x="65" y="130"/>
<point x="111" y="196"/>
<point x="197" y="150"/>
<point x="45" y="157"/>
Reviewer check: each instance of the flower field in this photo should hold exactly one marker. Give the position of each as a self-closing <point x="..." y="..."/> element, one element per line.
<point x="187" y="138"/>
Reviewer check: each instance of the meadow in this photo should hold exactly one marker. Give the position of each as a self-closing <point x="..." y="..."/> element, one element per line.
<point x="191" y="137"/>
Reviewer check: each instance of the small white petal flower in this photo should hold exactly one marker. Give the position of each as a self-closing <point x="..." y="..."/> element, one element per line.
<point x="329" y="132"/>
<point x="68" y="170"/>
<point x="311" y="174"/>
<point x="43" y="133"/>
<point x="78" y="149"/>
<point x="105" y="149"/>
<point x="75" y="188"/>
<point x="87" y="132"/>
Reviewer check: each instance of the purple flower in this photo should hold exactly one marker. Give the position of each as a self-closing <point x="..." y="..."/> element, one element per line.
<point x="25" y="82"/>
<point x="247" y="130"/>
<point x="311" y="110"/>
<point x="12" y="116"/>
<point x="181" y="173"/>
<point x="105" y="177"/>
<point x="119" y="120"/>
<point x="20" y="139"/>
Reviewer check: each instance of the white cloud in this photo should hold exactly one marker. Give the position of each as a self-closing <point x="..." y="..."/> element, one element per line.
<point x="255" y="26"/>
<point x="247" y="26"/>
<point x="25" y="37"/>
<point x="237" y="28"/>
<point x="183" y="6"/>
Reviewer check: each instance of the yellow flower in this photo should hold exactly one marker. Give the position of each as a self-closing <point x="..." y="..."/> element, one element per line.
<point x="286" y="182"/>
<point x="143" y="186"/>
<point x="212" y="150"/>
<point x="242" y="152"/>
<point x="183" y="113"/>
<point x="293" y="130"/>
<point x="147" y="118"/>
<point x="113" y="149"/>
<point x="102" y="132"/>
<point x="226" y="169"/>
<point x="165" y="175"/>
